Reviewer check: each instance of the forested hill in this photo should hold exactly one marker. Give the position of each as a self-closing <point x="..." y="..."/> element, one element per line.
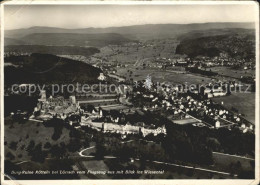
<point x="47" y="68"/>
<point x="73" y="39"/>
<point x="237" y="45"/>
<point x="148" y="31"/>
<point x="55" y="50"/>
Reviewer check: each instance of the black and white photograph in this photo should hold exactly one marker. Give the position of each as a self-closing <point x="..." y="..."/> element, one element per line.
<point x="118" y="91"/>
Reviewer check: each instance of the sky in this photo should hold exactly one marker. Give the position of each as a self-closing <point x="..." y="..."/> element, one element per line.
<point x="84" y="16"/>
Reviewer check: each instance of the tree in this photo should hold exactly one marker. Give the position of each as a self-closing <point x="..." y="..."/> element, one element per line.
<point x="100" y="151"/>
<point x="57" y="133"/>
<point x="74" y="145"/>
<point x="37" y="113"/>
<point x="74" y="133"/>
<point x="125" y="153"/>
<point x="37" y="154"/>
<point x="58" y="151"/>
<point x="13" y="145"/>
<point x="47" y="145"/>
<point x="30" y="146"/>
<point x="10" y="156"/>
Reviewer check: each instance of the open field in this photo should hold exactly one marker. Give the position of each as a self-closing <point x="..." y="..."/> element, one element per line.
<point x="131" y="52"/>
<point x="227" y="71"/>
<point x="222" y="162"/>
<point x="243" y="102"/>
<point x="166" y="76"/>
<point x="95" y="165"/>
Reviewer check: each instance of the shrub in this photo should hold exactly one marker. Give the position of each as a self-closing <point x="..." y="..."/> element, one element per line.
<point x="47" y="145"/>
<point x="13" y="145"/>
<point x="10" y="156"/>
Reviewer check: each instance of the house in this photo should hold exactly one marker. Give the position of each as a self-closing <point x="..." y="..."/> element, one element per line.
<point x="217" y="124"/>
<point x="215" y="94"/>
<point x="207" y="91"/>
<point x="101" y="77"/>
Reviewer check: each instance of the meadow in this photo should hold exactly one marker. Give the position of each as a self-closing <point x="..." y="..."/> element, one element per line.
<point x="169" y="76"/>
<point x="227" y="71"/>
<point x="243" y="102"/>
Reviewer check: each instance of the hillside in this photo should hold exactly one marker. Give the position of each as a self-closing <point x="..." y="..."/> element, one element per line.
<point x="55" y="50"/>
<point x="239" y="44"/>
<point x="74" y="39"/>
<point x="149" y="31"/>
<point x="40" y="146"/>
<point x="216" y="32"/>
<point x="46" y="68"/>
<point x="10" y="41"/>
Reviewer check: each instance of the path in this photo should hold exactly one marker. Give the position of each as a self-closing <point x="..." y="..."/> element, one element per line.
<point x="243" y="157"/>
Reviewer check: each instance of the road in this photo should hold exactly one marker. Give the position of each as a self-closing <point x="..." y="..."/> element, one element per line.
<point x="81" y="152"/>
<point x="243" y="157"/>
<point x="31" y="119"/>
<point x="194" y="168"/>
<point x="22" y="162"/>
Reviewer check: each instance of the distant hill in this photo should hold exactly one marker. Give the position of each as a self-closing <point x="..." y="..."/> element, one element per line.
<point x="10" y="41"/>
<point x="55" y="50"/>
<point x="215" y="32"/>
<point x="72" y="39"/>
<point x="236" y="43"/>
<point x="149" y="31"/>
<point x="46" y="68"/>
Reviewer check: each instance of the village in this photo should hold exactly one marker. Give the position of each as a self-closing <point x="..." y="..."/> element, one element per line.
<point x="182" y="100"/>
<point x="179" y="104"/>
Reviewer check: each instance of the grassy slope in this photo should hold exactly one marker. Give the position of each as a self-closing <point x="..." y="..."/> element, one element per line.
<point x="19" y="134"/>
<point x="55" y="50"/>
<point x="45" y="68"/>
<point x="71" y="39"/>
<point x="236" y="44"/>
<point x="244" y="102"/>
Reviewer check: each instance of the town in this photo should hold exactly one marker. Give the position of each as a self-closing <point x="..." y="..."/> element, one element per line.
<point x="159" y="101"/>
<point x="181" y="106"/>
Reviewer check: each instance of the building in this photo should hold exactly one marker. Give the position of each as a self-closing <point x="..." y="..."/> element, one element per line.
<point x="155" y="132"/>
<point x="57" y="106"/>
<point x="186" y="121"/>
<point x="73" y="99"/>
<point x="217" y="124"/>
<point x="215" y="94"/>
<point x="131" y="129"/>
<point x="101" y="77"/>
<point x="43" y="96"/>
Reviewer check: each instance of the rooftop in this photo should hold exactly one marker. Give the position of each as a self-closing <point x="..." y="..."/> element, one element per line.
<point x="185" y="121"/>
